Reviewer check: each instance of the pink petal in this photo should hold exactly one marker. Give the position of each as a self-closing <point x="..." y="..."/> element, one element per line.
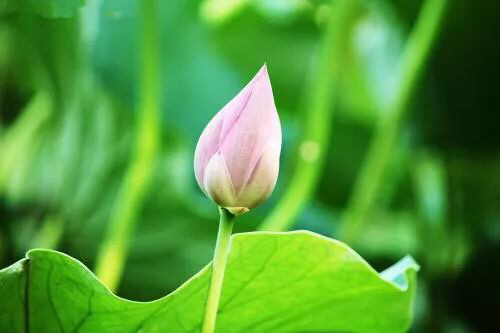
<point x="218" y="127"/>
<point x="237" y="156"/>
<point x="263" y="178"/>
<point x="245" y="135"/>
<point x="207" y="146"/>
<point x="217" y="182"/>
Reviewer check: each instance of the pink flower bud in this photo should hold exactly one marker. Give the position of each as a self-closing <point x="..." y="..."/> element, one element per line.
<point x="236" y="161"/>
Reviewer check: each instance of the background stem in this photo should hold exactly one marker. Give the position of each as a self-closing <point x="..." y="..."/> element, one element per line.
<point x="384" y="142"/>
<point x="318" y="111"/>
<point x="113" y="252"/>
<point x="218" y="268"/>
<point x="16" y="143"/>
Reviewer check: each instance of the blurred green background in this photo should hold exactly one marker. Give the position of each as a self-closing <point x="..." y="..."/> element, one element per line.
<point x="390" y="115"/>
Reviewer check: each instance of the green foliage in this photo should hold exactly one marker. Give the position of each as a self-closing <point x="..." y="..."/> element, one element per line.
<point x="275" y="282"/>
<point x="69" y="93"/>
<point x="13" y="288"/>
<point x="45" y="8"/>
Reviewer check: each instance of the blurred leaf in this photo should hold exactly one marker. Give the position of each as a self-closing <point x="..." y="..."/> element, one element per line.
<point x="252" y="39"/>
<point x="218" y="11"/>
<point x="303" y="281"/>
<point x="115" y="61"/>
<point x="46" y="8"/>
<point x="373" y="74"/>
<point x="445" y="244"/>
<point x="389" y="234"/>
<point x="379" y="44"/>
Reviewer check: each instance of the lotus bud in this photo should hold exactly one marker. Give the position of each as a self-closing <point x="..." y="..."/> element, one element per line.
<point x="236" y="161"/>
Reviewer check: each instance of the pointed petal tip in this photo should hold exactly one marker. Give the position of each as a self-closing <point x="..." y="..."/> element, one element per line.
<point x="263" y="74"/>
<point x="264" y="68"/>
<point x="262" y="71"/>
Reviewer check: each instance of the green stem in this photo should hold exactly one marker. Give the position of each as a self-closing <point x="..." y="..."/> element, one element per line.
<point x="218" y="268"/>
<point x="19" y="142"/>
<point x="113" y="252"/>
<point x="320" y="94"/>
<point x="385" y="138"/>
